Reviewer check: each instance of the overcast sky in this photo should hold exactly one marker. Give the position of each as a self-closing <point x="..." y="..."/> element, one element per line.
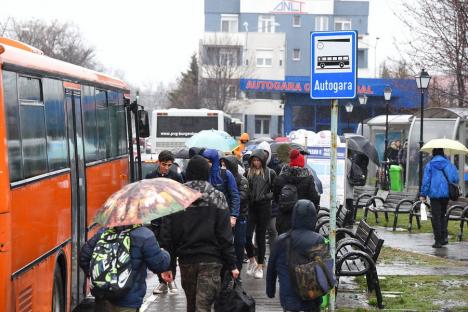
<point x="152" y="40"/>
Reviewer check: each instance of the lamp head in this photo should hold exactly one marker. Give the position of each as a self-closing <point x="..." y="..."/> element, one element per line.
<point x="363" y="99"/>
<point x="349" y="107"/>
<point x="387" y="93"/>
<point x="422" y="80"/>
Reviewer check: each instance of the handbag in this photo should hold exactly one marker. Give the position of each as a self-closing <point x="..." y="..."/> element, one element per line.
<point x="233" y="297"/>
<point x="453" y="189"/>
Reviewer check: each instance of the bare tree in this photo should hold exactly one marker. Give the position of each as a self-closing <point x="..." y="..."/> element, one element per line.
<point x="440" y="30"/>
<point x="399" y="69"/>
<point x="221" y="68"/>
<point x="154" y="96"/>
<point x="59" y="40"/>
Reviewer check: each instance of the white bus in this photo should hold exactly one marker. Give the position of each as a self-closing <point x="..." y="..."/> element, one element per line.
<point x="170" y="128"/>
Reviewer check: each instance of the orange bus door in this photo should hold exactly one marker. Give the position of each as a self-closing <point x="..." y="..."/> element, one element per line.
<point x="78" y="187"/>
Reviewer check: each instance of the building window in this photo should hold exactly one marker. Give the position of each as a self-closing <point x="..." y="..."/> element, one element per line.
<point x="296" y="20"/>
<point x="231" y="92"/>
<point x="264" y="58"/>
<point x="296" y="55"/>
<point x="229" y="23"/>
<point x="266" y="23"/>
<point x="321" y="23"/>
<point x="362" y="59"/>
<point x="342" y="23"/>
<point x="262" y="126"/>
<point x="227" y="57"/>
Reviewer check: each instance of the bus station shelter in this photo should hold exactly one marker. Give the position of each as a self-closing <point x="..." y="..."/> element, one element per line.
<point x="439" y="122"/>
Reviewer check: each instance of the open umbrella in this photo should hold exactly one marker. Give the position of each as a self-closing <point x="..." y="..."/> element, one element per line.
<point x="143" y="201"/>
<point x="451" y="147"/>
<point x="214" y="139"/>
<point x="299" y="147"/>
<point x="360" y="144"/>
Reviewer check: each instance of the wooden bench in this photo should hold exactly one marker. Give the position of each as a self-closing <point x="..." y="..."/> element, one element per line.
<point x="360" y="196"/>
<point x="323" y="220"/>
<point x="390" y="202"/>
<point x="357" y="254"/>
<point x="457" y="211"/>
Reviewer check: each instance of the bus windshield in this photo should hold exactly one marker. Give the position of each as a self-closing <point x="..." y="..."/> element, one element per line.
<point x="186" y="125"/>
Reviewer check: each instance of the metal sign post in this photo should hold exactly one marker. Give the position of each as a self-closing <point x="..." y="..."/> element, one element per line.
<point x="333" y="75"/>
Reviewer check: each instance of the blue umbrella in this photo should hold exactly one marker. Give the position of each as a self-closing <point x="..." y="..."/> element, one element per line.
<point x="215" y="139"/>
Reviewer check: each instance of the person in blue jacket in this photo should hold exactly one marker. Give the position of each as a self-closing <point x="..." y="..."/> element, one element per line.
<point x="145" y="254"/>
<point x="223" y="181"/>
<point x="435" y="186"/>
<point x="302" y="238"/>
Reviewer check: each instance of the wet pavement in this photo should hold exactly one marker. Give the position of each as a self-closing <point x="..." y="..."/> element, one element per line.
<point x="349" y="295"/>
<point x="422" y="243"/>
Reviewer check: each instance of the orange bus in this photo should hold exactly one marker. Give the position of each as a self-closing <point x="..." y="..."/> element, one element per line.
<point x="63" y="143"/>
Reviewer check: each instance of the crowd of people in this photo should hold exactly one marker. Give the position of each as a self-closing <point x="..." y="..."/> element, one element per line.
<point x="243" y="200"/>
<point x="224" y="229"/>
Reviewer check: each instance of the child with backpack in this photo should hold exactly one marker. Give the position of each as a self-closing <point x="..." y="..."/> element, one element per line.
<point x="301" y="261"/>
<point x="116" y="259"/>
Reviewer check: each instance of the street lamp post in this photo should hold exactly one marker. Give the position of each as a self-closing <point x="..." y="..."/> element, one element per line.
<point x="362" y="101"/>
<point x="349" y="110"/>
<point x="422" y="81"/>
<point x="387" y="96"/>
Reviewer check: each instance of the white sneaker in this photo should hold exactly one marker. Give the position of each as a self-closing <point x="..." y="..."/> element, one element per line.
<point x="258" y="272"/>
<point x="251" y="267"/>
<point x="160" y="289"/>
<point x="172" y="288"/>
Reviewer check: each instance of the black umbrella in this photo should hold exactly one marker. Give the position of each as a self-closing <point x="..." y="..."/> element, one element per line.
<point x="274" y="147"/>
<point x="360" y="144"/>
<point x="183" y="154"/>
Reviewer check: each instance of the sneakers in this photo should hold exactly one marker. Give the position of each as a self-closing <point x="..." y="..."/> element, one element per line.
<point x="172" y="288"/>
<point x="160" y="289"/>
<point x="258" y="272"/>
<point x="251" y="267"/>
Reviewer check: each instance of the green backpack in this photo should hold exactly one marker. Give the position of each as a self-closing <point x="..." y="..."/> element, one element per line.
<point x="312" y="273"/>
<point x="111" y="266"/>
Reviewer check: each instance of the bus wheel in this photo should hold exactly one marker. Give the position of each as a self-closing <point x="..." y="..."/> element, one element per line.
<point x="58" y="298"/>
<point x="341" y="64"/>
<point x="322" y="65"/>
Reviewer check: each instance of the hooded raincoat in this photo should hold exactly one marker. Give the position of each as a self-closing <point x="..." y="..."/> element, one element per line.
<point x="303" y="237"/>
<point x="227" y="186"/>
<point x="434" y="184"/>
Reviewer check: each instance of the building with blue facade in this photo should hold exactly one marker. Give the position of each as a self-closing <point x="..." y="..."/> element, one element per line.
<point x="269" y="41"/>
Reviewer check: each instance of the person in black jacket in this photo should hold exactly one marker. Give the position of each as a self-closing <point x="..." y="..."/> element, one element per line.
<point x="295" y="174"/>
<point x="240" y="230"/>
<point x="144" y="253"/>
<point x="202" y="239"/>
<point x="165" y="169"/>
<point x="261" y="180"/>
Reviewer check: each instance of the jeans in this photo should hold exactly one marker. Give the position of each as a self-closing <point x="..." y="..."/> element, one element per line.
<point x="240" y="231"/>
<point x="201" y="283"/>
<point x="439" y="223"/>
<point x="103" y="305"/>
<point x="259" y="218"/>
<point x="272" y="232"/>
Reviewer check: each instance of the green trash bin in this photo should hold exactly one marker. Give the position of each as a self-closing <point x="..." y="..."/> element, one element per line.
<point x="396" y="178"/>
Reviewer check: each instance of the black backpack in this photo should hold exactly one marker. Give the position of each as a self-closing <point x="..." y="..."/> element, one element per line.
<point x="287" y="198"/>
<point x="356" y="175"/>
<point x="312" y="274"/>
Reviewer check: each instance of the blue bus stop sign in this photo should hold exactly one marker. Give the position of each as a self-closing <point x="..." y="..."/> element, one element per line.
<point x="333" y="65"/>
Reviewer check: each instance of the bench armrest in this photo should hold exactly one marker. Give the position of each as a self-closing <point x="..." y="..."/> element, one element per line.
<point x="352" y="242"/>
<point x="403" y="201"/>
<point x="373" y="199"/>
<point x="362" y="196"/>
<point x="345" y="231"/>
<point x="355" y="254"/>
<point x="454" y="208"/>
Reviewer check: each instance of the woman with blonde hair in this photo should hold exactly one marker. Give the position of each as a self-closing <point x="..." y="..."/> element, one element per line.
<point x="261" y="180"/>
